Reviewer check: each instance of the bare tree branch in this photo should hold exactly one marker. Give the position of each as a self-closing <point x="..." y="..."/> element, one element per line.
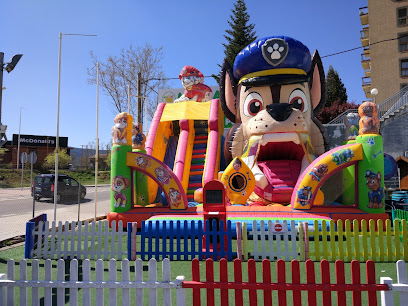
<point x="119" y="71"/>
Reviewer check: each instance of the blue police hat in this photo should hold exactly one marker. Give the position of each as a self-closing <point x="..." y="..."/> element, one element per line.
<point x="274" y="59"/>
<point x="370" y="174"/>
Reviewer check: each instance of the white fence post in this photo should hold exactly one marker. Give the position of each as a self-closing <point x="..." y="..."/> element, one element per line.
<point x="3" y="291"/>
<point x="152" y="278"/>
<point x="402" y="279"/>
<point x="166" y="278"/>
<point x="180" y="292"/>
<point x="387" y="297"/>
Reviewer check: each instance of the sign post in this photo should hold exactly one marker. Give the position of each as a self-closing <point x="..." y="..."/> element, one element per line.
<point x="32" y="158"/>
<point x="23" y="159"/>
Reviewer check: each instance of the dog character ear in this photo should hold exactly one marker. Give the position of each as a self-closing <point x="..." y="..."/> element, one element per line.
<point x="234" y="143"/>
<point x="317" y="83"/>
<point x="228" y="91"/>
<point x="126" y="181"/>
<point x="379" y="176"/>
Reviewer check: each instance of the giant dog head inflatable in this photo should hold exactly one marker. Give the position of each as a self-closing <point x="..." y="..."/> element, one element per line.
<point x="272" y="94"/>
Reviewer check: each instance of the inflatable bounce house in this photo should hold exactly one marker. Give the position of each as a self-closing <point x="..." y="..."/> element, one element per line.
<point x="279" y="166"/>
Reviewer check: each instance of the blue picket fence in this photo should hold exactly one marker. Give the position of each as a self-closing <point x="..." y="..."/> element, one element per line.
<point x="183" y="240"/>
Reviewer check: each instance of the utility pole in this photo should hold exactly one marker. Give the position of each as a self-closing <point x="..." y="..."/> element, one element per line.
<point x="139" y="99"/>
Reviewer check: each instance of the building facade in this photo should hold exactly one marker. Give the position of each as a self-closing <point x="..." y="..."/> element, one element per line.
<point x="41" y="145"/>
<point x="385" y="40"/>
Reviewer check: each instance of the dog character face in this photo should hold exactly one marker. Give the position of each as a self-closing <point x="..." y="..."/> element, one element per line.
<point x="367" y="109"/>
<point x="373" y="180"/>
<point x="352" y="119"/>
<point x="272" y="94"/>
<point x="141" y="162"/>
<point x="121" y="121"/>
<point x="162" y="175"/>
<point x="120" y="183"/>
<point x="175" y="195"/>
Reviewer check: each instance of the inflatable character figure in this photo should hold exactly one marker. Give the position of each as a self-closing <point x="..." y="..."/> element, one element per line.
<point x="192" y="80"/>
<point x="369" y="122"/>
<point x="304" y="195"/>
<point x="119" y="184"/>
<point x="376" y="193"/>
<point x="138" y="138"/>
<point x="319" y="172"/>
<point x="351" y="123"/>
<point x="273" y="93"/>
<point x="119" y="130"/>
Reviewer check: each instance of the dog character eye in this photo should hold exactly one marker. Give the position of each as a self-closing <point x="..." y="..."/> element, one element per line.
<point x="253" y="104"/>
<point x="298" y="99"/>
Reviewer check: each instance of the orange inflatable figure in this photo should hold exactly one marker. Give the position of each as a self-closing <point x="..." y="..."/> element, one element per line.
<point x="369" y="122"/>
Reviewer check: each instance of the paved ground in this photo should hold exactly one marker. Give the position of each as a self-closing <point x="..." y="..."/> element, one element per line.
<point x="16" y="209"/>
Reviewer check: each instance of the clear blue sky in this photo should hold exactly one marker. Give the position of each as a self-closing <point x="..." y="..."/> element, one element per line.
<point x="191" y="32"/>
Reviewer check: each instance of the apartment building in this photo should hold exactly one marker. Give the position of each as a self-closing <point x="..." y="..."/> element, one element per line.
<point x="384" y="38"/>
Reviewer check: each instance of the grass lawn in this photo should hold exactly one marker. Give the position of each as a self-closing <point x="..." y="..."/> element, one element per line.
<point x="184" y="268"/>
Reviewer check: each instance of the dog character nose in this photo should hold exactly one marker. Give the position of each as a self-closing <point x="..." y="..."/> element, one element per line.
<point x="279" y="111"/>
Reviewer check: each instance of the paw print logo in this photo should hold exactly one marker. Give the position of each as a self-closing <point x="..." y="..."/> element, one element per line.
<point x="275" y="50"/>
<point x="371" y="141"/>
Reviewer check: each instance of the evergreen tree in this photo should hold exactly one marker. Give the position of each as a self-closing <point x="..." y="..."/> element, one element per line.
<point x="240" y="34"/>
<point x="335" y="89"/>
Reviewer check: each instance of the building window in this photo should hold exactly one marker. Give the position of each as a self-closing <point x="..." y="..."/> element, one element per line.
<point x="403" y="85"/>
<point x="402" y="16"/>
<point x="403" y="42"/>
<point x="404" y="68"/>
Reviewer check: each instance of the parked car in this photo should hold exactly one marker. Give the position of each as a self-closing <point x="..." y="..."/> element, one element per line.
<point x="43" y="187"/>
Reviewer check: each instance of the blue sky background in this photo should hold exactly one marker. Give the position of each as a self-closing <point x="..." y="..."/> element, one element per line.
<point x="191" y="32"/>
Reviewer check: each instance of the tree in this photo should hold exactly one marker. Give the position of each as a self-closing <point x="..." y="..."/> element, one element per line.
<point x="329" y="113"/>
<point x="240" y="33"/>
<point x="119" y="71"/>
<point x="63" y="160"/>
<point x="335" y="89"/>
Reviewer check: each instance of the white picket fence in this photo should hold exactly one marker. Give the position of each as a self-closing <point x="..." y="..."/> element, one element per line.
<point x="275" y="242"/>
<point x="90" y="289"/>
<point x="93" y="240"/>
<point x="387" y="297"/>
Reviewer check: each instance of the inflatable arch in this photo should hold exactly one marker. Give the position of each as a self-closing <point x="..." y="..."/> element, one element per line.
<point x="162" y="175"/>
<point x="320" y="170"/>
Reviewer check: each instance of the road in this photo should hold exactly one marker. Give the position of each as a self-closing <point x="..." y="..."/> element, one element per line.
<point x="16" y="208"/>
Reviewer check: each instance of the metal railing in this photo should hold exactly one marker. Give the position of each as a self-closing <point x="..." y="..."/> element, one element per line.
<point x="340" y="118"/>
<point x="393" y="103"/>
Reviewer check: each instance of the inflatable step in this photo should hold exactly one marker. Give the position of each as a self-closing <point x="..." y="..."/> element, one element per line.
<point x="194" y="185"/>
<point x="201" y="137"/>
<point x="200" y="146"/>
<point x="193" y="173"/>
<point x="190" y="191"/>
<point x="200" y="141"/>
<point x="196" y="156"/>
<point x="199" y="151"/>
<point x="196" y="167"/>
<point x="190" y="197"/>
<point x="195" y="178"/>
<point x="197" y="161"/>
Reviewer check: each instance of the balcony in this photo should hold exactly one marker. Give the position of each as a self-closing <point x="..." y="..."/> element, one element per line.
<point x="367" y="51"/>
<point x="366" y="84"/>
<point x="367" y="73"/>
<point x="365" y="61"/>
<point x="368" y="94"/>
<point x="364" y="37"/>
<point x="363" y="15"/>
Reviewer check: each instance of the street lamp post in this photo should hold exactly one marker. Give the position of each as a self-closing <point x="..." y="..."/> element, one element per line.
<point x="58" y="113"/>
<point x="9" y="68"/>
<point x="18" y="141"/>
<point x="97" y="138"/>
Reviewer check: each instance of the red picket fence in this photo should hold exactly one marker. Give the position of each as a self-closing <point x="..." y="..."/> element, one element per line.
<point x="282" y="286"/>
